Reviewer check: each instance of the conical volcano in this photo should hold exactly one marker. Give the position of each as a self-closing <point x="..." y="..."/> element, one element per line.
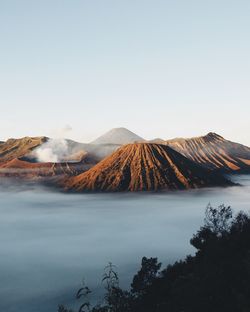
<point x="118" y="136"/>
<point x="144" y="167"/>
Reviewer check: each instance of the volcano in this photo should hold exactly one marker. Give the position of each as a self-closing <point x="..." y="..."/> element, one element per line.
<point x="118" y="136"/>
<point x="214" y="152"/>
<point x="144" y="167"/>
<point x="16" y="148"/>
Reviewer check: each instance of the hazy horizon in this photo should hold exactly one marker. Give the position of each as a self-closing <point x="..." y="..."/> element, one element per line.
<point x="159" y="68"/>
<point x="63" y="134"/>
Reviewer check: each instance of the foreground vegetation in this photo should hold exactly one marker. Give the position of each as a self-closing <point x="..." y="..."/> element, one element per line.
<point x="216" y="278"/>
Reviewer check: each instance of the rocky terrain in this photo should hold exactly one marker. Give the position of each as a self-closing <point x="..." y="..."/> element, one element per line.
<point x="144" y="167"/>
<point x="214" y="152"/>
<point x="17" y="160"/>
<point x="109" y="164"/>
<point x="69" y="150"/>
<point x="20" y="168"/>
<point x="15" y="148"/>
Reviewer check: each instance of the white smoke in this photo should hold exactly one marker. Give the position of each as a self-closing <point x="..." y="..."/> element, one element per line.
<point x="54" y="150"/>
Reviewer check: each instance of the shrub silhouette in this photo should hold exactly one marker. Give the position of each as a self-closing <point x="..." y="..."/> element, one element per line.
<point x="215" y="279"/>
<point x="145" y="276"/>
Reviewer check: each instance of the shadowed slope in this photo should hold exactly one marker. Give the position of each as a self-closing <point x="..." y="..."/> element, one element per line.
<point x="141" y="167"/>
<point x="15" y="148"/>
<point x="214" y="152"/>
<point x="20" y="168"/>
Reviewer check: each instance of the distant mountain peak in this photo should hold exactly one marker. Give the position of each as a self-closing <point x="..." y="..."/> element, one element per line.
<point x="119" y="136"/>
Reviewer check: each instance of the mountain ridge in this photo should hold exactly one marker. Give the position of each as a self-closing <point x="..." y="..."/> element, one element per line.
<point x="15" y="148"/>
<point x="21" y="168"/>
<point x="214" y="152"/>
<point x="144" y="167"/>
<point x="211" y="151"/>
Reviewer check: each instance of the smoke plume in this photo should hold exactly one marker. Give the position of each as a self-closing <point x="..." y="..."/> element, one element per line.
<point x="55" y="150"/>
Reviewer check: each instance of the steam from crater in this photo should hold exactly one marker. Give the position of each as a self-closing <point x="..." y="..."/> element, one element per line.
<point x="54" y="150"/>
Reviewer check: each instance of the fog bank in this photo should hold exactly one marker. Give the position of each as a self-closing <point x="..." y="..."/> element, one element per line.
<point x="50" y="241"/>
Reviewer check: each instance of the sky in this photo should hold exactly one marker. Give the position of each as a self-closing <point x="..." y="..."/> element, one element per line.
<point x="160" y="68"/>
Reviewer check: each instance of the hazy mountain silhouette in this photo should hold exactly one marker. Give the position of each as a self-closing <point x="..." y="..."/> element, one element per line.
<point x="143" y="167"/>
<point x="118" y="136"/>
<point x="157" y="141"/>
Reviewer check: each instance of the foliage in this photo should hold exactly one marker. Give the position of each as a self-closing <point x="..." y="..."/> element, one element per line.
<point x="61" y="308"/>
<point x="145" y="276"/>
<point x="216" y="278"/>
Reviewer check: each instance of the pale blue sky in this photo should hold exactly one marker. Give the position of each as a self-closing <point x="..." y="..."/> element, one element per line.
<point x="161" y="68"/>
